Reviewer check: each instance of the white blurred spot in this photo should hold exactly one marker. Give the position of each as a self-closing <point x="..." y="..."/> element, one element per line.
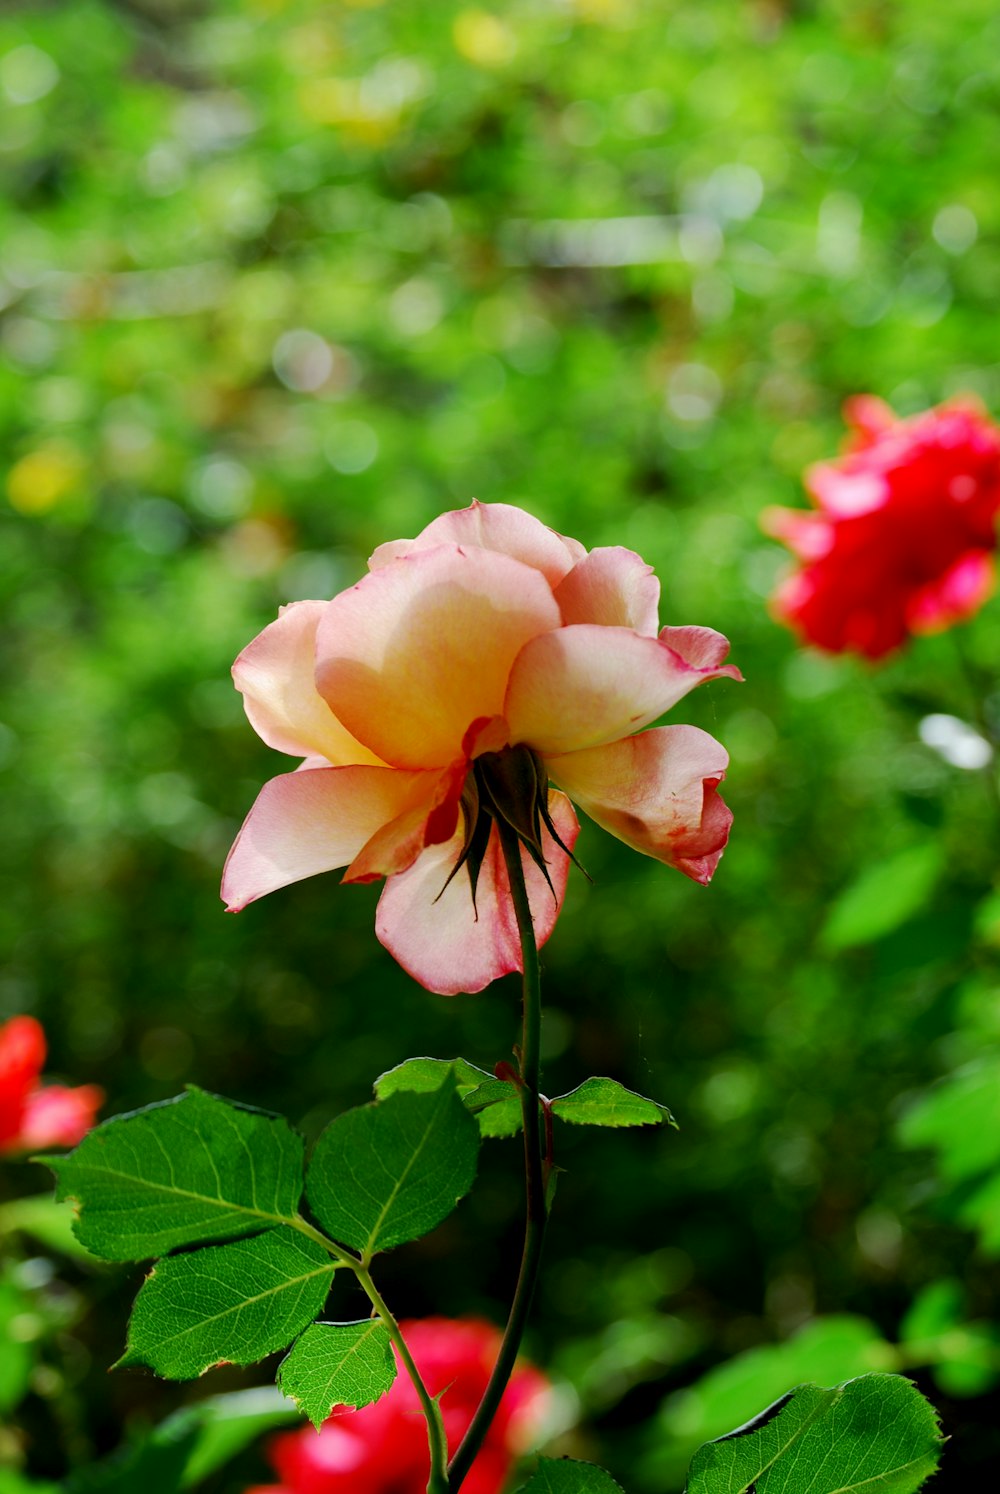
<point x="838" y="233"/>
<point x="221" y="488"/>
<point x="699" y="239"/>
<point x="712" y="296"/>
<point x="731" y="194"/>
<point x="693" y="392"/>
<point x="582" y="123"/>
<point x="27" y="74"/>
<point x="302" y="360"/>
<point x="416" y="307"/>
<point x="352" y="447"/>
<point x="158" y="526"/>
<point x="214" y="121"/>
<point x="955" y="228"/>
<point x="164" y="170"/>
<point x="955" y="741"/>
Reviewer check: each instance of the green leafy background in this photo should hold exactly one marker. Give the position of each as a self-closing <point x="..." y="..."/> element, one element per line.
<point x="283" y="279"/>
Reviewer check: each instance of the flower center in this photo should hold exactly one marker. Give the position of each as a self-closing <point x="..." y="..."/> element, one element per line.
<point x="511" y="788"/>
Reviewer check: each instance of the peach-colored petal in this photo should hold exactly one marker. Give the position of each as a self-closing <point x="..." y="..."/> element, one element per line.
<point x="657" y="792"/>
<point x="586" y="685"/>
<point x="313" y="821"/>
<point x="276" y="675"/>
<point x="422" y="646"/>
<point x="439" y="940"/>
<point x="493" y="526"/>
<point x="431" y="820"/>
<point x="57" y="1116"/>
<point x="613" y="587"/>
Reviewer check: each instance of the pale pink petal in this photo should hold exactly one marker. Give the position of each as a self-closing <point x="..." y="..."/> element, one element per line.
<point x="844" y="494"/>
<point x="702" y="648"/>
<point x="954" y="596"/>
<point x="499" y="527"/>
<point x="809" y="536"/>
<point x="657" y="792"/>
<point x="868" y="418"/>
<point x="314" y="821"/>
<point x="436" y="936"/>
<point x="276" y="675"/>
<point x="56" y="1116"/>
<point x="417" y="650"/>
<point x="613" y="587"/>
<point x="586" y="685"/>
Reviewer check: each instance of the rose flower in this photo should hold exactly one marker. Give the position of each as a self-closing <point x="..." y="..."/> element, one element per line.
<point x="382" y="1449"/>
<point x="470" y="668"/>
<point x="904" y="537"/>
<point x="31" y="1115"/>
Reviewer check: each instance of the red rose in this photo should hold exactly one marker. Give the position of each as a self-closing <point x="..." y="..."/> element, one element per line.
<point x="32" y="1116"/>
<point x="904" y="538"/>
<point x="382" y="1449"/>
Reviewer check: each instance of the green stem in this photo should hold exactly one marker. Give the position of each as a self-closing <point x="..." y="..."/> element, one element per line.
<point x="536" y="1212"/>
<point x="436" y="1441"/>
<point x="438" y="1483"/>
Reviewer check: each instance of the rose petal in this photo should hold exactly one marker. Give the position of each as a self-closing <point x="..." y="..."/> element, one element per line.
<point x="493" y="526"/>
<point x="276" y="675"/>
<point x="57" y="1116"/>
<point x="809" y="536"/>
<point x="22" y="1053"/>
<point x="613" y="587"/>
<point x="417" y="650"/>
<point x="586" y="685"/>
<point x="868" y="418"/>
<point x="313" y="821"/>
<point x="657" y="792"/>
<point x="842" y="493"/>
<point x="702" y="648"/>
<point x="431" y="820"/>
<point x="436" y="936"/>
<point x="954" y="596"/>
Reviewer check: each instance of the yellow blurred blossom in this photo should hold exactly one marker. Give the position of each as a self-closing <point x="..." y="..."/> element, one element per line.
<point x="483" y="38"/>
<point x="43" y="478"/>
<point x="346" y="102"/>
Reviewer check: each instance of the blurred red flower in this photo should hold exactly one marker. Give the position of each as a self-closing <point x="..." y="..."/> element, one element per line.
<point x="904" y="537"/>
<point x="382" y="1449"/>
<point x="32" y="1116"/>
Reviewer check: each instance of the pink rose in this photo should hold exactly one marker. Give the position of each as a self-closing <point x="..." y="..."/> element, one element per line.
<point x="384" y="1446"/>
<point x="904" y="538"/>
<point x="487" y="650"/>
<point x="32" y="1116"/>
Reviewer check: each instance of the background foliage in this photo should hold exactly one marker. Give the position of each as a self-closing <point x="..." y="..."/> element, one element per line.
<point x="282" y="279"/>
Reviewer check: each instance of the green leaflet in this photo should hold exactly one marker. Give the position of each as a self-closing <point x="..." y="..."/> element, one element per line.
<point x="420" y="1075"/>
<point x="188" y="1171"/>
<point x="17" y="1355"/>
<point x="883" y="897"/>
<point x="184" y="1449"/>
<point x="566" y="1476"/>
<point x="227" y="1304"/>
<point x="605" y="1102"/>
<point x="338" y="1364"/>
<point x="875" y="1434"/>
<point x="387" y="1173"/>
<point x="494" y="1102"/>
